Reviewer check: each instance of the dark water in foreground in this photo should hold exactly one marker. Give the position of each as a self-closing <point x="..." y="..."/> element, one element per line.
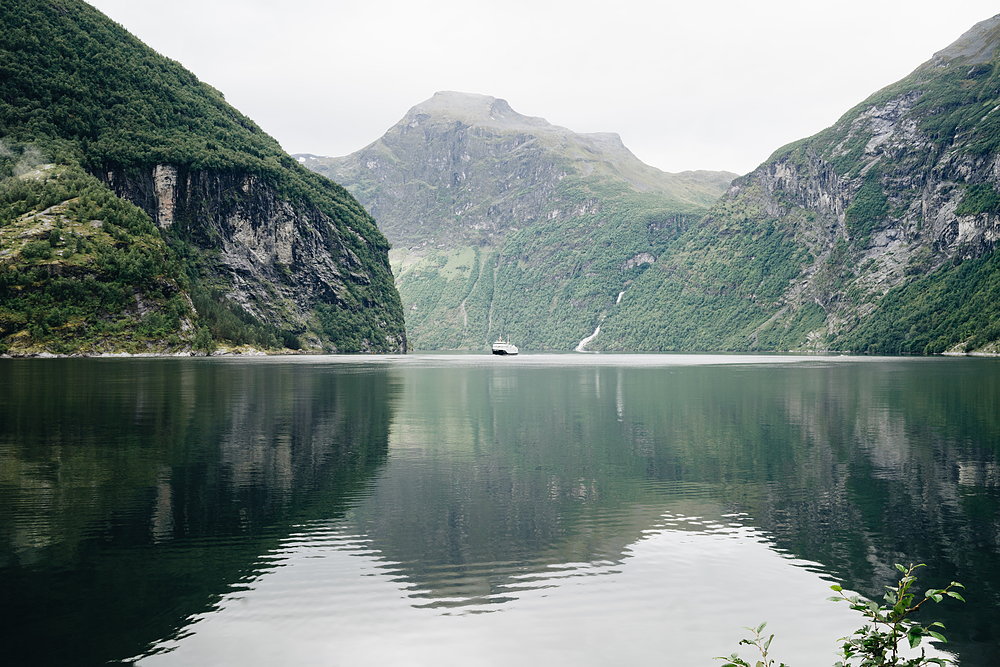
<point x="470" y="510"/>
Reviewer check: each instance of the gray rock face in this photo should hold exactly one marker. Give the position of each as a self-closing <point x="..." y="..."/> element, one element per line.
<point x="275" y="258"/>
<point x="923" y="183"/>
<point x="165" y="191"/>
<point x="814" y="187"/>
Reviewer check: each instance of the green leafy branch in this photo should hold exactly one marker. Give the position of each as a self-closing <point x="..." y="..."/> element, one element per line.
<point x="876" y="644"/>
<point x="762" y="645"/>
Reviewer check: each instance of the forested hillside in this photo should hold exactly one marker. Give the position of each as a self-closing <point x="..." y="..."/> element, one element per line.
<point x="876" y="235"/>
<point x="195" y="224"/>
<point x="506" y="225"/>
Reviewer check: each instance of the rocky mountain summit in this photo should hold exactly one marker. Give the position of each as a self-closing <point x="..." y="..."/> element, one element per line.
<point x="466" y="168"/>
<point x="503" y="223"/>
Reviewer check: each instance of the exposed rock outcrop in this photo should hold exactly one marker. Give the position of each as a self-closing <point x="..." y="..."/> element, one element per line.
<point x="276" y="258"/>
<point x="923" y="179"/>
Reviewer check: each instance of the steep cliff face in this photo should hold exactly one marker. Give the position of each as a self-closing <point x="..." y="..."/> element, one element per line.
<point x="901" y="190"/>
<point x="274" y="257"/>
<point x="504" y="224"/>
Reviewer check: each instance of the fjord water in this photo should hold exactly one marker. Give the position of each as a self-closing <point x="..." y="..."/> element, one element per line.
<point x="466" y="509"/>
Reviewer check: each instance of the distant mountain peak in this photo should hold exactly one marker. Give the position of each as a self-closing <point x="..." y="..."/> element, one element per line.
<point x="500" y="219"/>
<point x="480" y="110"/>
<point x="977" y="46"/>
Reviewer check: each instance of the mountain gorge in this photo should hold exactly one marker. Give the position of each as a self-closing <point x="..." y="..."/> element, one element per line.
<point x="139" y="212"/>
<point x="171" y="220"/>
<point x="876" y="235"/>
<point x="504" y="224"/>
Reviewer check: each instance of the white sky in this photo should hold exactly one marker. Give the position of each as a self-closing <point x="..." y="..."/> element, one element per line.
<point x="703" y="84"/>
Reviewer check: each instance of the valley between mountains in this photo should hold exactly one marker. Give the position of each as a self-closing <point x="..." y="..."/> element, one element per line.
<point x="876" y="235"/>
<point x="141" y="213"/>
<point x="504" y="224"/>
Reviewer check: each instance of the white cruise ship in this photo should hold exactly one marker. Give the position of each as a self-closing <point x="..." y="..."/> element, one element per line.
<point x="501" y="347"/>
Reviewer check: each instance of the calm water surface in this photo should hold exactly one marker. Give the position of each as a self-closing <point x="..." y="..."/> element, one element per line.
<point x="471" y="510"/>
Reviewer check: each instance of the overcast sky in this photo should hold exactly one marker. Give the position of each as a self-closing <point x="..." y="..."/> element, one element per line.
<point x="705" y="84"/>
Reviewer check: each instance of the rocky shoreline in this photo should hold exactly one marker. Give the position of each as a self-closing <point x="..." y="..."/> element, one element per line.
<point x="221" y="352"/>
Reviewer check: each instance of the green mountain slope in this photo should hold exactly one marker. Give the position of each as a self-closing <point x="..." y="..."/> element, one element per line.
<point x="82" y="270"/>
<point x="269" y="253"/>
<point x="875" y="235"/>
<point x="503" y="224"/>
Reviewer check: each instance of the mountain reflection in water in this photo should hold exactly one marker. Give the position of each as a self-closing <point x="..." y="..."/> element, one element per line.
<point x="466" y="509"/>
<point x="135" y="493"/>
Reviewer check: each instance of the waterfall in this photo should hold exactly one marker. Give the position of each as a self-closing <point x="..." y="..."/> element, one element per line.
<point x="583" y="343"/>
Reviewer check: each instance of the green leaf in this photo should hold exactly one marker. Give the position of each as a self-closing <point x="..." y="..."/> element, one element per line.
<point x="936" y="597"/>
<point x="955" y="595"/>
<point x="734" y="661"/>
<point x="900" y="568"/>
<point x="761" y="627"/>
<point x="938" y="636"/>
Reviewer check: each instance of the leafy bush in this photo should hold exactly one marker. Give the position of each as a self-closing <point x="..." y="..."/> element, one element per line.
<point x="349" y="329"/>
<point x="203" y="341"/>
<point x="877" y="643"/>
<point x="36" y="250"/>
<point x="947" y="307"/>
